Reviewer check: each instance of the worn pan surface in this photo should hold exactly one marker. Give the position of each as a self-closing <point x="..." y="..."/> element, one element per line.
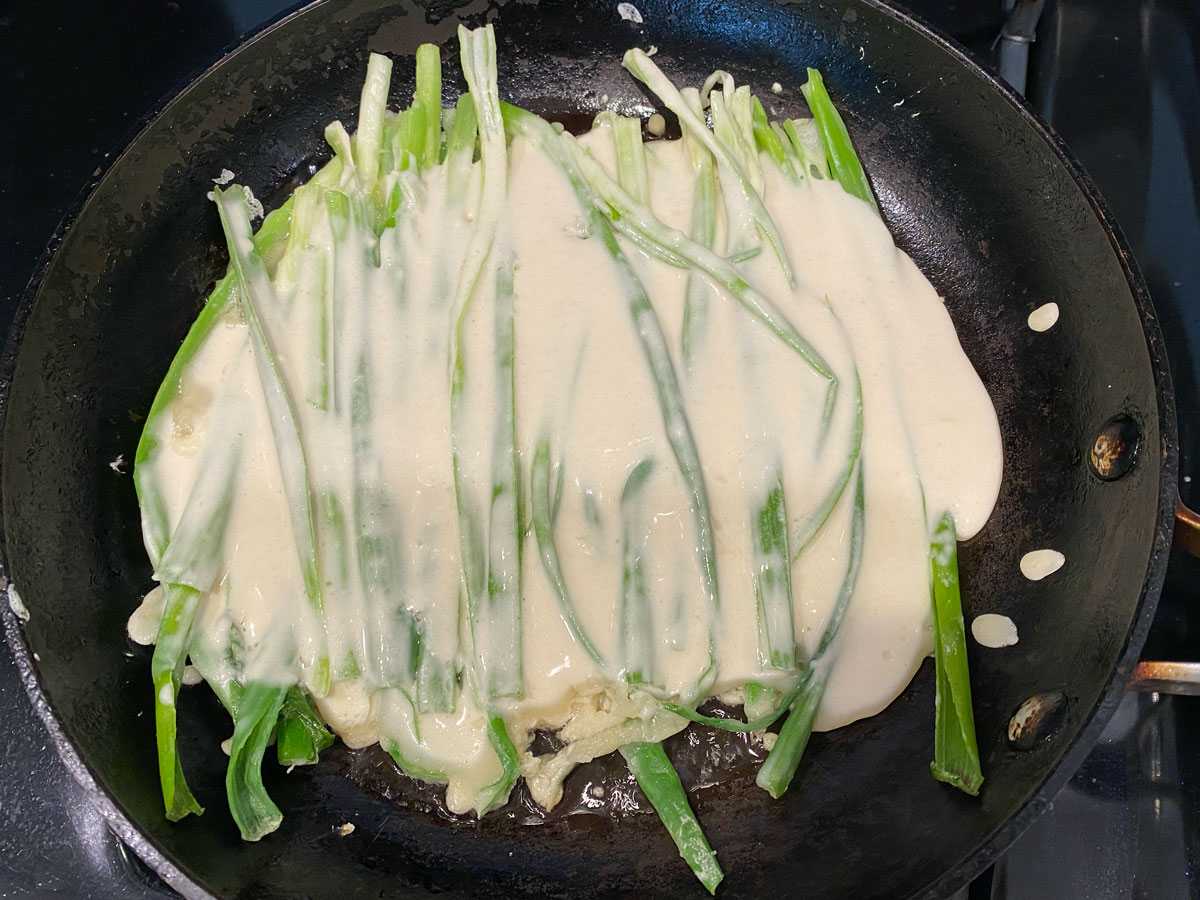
<point x="973" y="186"/>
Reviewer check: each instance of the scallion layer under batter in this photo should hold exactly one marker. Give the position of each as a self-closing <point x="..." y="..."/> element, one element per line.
<point x="492" y="429"/>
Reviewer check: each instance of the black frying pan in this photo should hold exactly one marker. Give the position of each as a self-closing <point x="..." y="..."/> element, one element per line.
<point x="975" y="188"/>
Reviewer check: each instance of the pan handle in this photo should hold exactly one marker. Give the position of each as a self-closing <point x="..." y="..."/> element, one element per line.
<point x="1187" y="529"/>
<point x="1166" y="678"/>
<point x="1173" y="677"/>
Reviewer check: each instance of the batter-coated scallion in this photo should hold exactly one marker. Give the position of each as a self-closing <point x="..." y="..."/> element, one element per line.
<point x="756" y="724"/>
<point x="489" y="522"/>
<point x="253" y="810"/>
<point x="254" y="287"/>
<point x="166" y="669"/>
<point x="300" y="735"/>
<point x="460" y="147"/>
<point x="389" y="641"/>
<point x="428" y="98"/>
<point x="772" y="568"/>
<point x="543" y="531"/>
<point x="268" y="243"/>
<point x="805" y="142"/>
<point x="955" y="752"/>
<point x="660" y="783"/>
<point x="654" y="349"/>
<point x="190" y="566"/>
<point x="488" y="517"/>
<point x="413" y="769"/>
<point x="496" y="793"/>
<point x="816" y="520"/>
<point x="504" y="547"/>
<point x="636" y="627"/>
<point x="631" y="158"/>
<point x="703" y="232"/>
<point x="844" y="165"/>
<point x="732" y="126"/>
<point x="735" y="183"/>
<point x="777" y="770"/>
<point x="625" y="215"/>
<point x="219" y="663"/>
<point x="768" y="141"/>
<point x="368" y="140"/>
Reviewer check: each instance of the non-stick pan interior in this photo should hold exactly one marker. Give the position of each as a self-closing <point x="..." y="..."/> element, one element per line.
<point x="973" y="190"/>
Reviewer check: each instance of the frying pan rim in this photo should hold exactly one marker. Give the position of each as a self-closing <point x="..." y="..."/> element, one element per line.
<point x="1040" y="794"/>
<point x="126" y="829"/>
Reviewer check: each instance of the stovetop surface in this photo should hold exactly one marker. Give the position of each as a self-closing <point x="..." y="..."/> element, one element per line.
<point x="1118" y="79"/>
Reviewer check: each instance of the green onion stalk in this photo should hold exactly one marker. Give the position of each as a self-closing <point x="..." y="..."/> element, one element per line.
<point x="956" y="755"/>
<point x="955" y="752"/>
<point x="659" y="781"/>
<point x="261" y="703"/>
<point x="703" y="230"/>
<point x="543" y="510"/>
<point x="647" y="761"/>
<point x="259" y="304"/>
<point x="781" y="763"/>
<point x="489" y="526"/>
<point x="187" y="561"/>
<point x="189" y="567"/>
<point x="741" y="199"/>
